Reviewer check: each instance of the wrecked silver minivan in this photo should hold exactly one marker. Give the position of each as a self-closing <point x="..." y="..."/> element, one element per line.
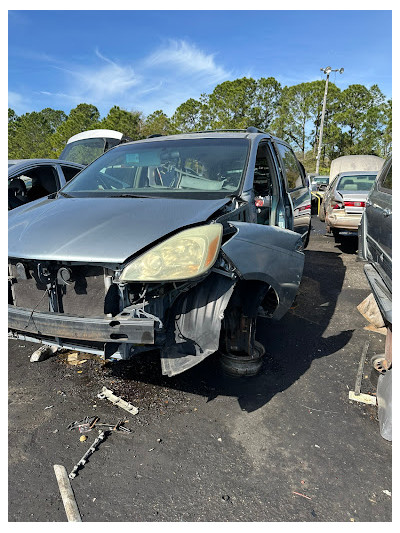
<point x="173" y="242"/>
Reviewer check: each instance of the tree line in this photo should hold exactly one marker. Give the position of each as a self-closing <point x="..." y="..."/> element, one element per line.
<point x="358" y="120"/>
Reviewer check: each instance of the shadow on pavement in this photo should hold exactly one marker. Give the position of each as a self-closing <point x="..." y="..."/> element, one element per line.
<point x="348" y="244"/>
<point x="291" y="344"/>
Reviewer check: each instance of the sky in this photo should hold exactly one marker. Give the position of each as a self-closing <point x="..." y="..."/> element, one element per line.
<point x="150" y="60"/>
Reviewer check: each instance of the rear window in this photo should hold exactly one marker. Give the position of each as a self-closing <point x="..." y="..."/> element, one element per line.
<point x="356" y="183"/>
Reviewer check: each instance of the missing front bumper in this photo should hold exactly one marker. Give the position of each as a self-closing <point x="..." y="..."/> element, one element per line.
<point x="130" y="330"/>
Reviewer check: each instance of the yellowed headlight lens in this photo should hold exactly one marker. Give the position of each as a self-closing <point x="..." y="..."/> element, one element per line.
<point x="186" y="255"/>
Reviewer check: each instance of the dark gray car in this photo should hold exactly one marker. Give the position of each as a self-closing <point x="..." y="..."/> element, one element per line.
<point x="375" y="246"/>
<point x="30" y="179"/>
<point x="173" y="242"/>
<point x="376" y="240"/>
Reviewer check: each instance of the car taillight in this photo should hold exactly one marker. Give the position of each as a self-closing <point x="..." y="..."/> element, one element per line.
<point x="304" y="207"/>
<point x="354" y="204"/>
<point x="259" y="202"/>
<point x="336" y="205"/>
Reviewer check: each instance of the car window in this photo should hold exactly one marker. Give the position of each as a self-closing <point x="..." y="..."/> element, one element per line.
<point x="356" y="183"/>
<point x="293" y="173"/>
<point x="32" y="184"/>
<point x="182" y="167"/>
<point x="84" y="151"/>
<point x="69" y="172"/>
<point x="386" y="181"/>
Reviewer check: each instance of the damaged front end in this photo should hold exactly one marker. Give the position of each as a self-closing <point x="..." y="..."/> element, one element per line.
<point x="192" y="294"/>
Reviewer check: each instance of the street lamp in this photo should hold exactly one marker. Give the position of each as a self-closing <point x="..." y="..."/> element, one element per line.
<point x="326" y="71"/>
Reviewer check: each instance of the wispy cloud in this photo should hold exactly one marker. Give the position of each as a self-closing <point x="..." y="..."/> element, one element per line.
<point x="185" y="58"/>
<point x="98" y="83"/>
<point x="163" y="79"/>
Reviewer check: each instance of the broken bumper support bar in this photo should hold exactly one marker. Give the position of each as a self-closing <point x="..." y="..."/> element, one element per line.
<point x="130" y="330"/>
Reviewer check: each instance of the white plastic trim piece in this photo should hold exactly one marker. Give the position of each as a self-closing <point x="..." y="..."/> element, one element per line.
<point x="109" y="395"/>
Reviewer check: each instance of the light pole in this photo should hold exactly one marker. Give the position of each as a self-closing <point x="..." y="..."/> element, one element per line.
<point x="326" y="71"/>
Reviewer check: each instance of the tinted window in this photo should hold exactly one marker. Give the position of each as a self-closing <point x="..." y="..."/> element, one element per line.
<point x="69" y="172"/>
<point x="293" y="174"/>
<point x="387" y="180"/>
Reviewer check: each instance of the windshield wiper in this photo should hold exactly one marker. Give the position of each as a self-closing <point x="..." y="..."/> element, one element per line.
<point x="63" y="194"/>
<point x="130" y="195"/>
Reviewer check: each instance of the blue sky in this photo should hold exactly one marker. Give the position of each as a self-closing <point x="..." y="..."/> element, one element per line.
<point x="148" y="60"/>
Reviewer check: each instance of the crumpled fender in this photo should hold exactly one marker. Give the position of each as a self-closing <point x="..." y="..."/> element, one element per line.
<point x="269" y="254"/>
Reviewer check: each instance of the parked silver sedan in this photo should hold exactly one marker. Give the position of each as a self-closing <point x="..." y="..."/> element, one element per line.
<point x="344" y="201"/>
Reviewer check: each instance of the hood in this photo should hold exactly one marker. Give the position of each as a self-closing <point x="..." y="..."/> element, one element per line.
<point x="99" y="230"/>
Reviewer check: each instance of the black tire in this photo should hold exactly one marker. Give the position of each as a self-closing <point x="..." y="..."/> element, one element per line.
<point x="336" y="236"/>
<point x="306" y="242"/>
<point x="242" y="365"/>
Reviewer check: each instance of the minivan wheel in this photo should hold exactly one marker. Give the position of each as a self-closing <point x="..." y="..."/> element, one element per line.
<point x="239" y="365"/>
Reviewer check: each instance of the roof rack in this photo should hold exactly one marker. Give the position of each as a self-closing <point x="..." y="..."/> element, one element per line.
<point x="250" y="129"/>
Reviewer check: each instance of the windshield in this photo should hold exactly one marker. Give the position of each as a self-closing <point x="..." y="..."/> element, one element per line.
<point x="190" y="168"/>
<point x="356" y="183"/>
<point x="84" y="151"/>
<point x="321" y="180"/>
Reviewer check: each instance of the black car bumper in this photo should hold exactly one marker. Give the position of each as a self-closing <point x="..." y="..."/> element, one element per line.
<point x="130" y="330"/>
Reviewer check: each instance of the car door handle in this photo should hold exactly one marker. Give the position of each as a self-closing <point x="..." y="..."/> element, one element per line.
<point x="386" y="212"/>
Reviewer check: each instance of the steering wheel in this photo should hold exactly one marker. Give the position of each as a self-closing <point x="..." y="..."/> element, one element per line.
<point x="104" y="180"/>
<point x="17" y="187"/>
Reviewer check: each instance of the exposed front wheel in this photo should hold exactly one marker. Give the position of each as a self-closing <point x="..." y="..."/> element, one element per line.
<point x="240" y="353"/>
<point x="240" y="365"/>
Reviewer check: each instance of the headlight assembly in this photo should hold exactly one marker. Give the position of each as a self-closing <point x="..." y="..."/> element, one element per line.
<point x="186" y="255"/>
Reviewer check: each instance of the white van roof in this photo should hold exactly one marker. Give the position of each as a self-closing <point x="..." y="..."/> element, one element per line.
<point x="94" y="134"/>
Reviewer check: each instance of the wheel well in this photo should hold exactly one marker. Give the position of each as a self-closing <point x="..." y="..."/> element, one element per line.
<point x="249" y="295"/>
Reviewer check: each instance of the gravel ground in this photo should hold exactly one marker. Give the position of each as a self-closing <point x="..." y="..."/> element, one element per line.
<point x="284" y="446"/>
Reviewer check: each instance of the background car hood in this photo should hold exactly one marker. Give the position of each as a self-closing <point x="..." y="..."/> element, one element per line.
<point x="99" y="230"/>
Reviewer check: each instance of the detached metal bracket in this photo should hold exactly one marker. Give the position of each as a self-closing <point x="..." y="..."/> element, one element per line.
<point x="116" y="400"/>
<point x="357" y="395"/>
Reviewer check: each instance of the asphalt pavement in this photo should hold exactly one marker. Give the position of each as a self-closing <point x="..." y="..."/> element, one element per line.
<point x="284" y="446"/>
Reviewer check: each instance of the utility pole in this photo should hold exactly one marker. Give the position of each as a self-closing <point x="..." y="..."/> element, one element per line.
<point x="326" y="71"/>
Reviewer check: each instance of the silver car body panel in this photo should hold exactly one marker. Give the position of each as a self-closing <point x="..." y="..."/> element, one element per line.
<point x="99" y="230"/>
<point x="271" y="255"/>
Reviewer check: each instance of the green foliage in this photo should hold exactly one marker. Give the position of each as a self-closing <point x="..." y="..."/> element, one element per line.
<point x="30" y="134"/>
<point x="83" y="117"/>
<point x="190" y="116"/>
<point x="157" y="122"/>
<point x="358" y="120"/>
<point x="127" y="122"/>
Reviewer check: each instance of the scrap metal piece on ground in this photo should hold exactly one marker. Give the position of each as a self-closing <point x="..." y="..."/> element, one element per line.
<point x="356" y="394"/>
<point x="67" y="494"/>
<point x="116" y="400"/>
<point x="43" y="353"/>
<point x="92" y="449"/>
<point x="362" y="398"/>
